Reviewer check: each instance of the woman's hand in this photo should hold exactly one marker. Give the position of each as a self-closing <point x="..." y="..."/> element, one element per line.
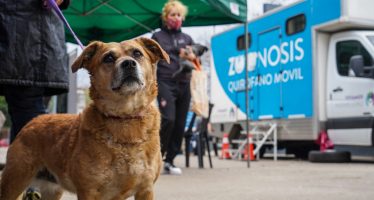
<point x="59" y="2"/>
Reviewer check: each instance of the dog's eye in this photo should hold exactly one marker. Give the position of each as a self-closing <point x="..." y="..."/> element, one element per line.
<point x="109" y="58"/>
<point x="137" y="54"/>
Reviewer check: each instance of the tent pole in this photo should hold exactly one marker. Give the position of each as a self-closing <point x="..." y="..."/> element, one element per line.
<point x="246" y="91"/>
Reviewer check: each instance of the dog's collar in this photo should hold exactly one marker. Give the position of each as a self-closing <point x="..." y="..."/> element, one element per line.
<point x="138" y="116"/>
<point x="126" y="117"/>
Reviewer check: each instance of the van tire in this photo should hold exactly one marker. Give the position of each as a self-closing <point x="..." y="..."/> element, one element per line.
<point x="329" y="156"/>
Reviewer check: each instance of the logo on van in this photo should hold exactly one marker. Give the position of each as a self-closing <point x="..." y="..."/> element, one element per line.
<point x="284" y="53"/>
<point x="370" y="99"/>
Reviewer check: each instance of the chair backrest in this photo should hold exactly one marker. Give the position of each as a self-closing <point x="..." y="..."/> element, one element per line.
<point x="356" y="63"/>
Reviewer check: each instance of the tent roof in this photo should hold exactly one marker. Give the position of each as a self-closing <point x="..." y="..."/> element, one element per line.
<point x="117" y="20"/>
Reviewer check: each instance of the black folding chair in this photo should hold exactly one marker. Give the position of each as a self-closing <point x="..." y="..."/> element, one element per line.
<point x="202" y="135"/>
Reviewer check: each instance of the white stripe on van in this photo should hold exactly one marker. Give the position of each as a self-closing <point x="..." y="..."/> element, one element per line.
<point x="265" y="117"/>
<point x="296" y="116"/>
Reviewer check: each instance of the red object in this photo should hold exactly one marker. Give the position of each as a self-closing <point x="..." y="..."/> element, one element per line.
<point x="174" y="24"/>
<point x="324" y="141"/>
<point x="4" y="143"/>
<point x="250" y="150"/>
<point x="225" y="150"/>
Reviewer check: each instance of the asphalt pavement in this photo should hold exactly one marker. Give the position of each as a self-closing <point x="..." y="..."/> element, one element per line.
<point x="285" y="179"/>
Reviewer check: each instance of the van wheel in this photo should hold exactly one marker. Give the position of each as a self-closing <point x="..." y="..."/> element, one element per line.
<point x="329" y="156"/>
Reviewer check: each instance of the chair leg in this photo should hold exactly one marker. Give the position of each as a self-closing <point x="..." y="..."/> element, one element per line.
<point x="187" y="149"/>
<point x="200" y="150"/>
<point x="208" y="149"/>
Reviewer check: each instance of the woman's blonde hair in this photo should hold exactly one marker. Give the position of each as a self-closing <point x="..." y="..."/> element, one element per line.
<point x="182" y="9"/>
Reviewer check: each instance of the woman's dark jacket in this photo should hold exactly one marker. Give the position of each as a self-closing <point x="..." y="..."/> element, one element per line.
<point x="171" y="41"/>
<point x="32" y="46"/>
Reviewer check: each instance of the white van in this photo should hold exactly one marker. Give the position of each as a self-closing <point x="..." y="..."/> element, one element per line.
<point x="310" y="69"/>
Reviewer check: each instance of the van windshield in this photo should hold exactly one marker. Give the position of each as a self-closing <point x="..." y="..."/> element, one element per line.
<point x="371" y="39"/>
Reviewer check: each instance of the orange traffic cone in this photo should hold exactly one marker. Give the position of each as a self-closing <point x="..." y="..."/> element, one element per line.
<point x="250" y="150"/>
<point x="225" y="150"/>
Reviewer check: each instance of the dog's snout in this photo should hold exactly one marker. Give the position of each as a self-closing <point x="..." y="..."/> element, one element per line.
<point x="128" y="64"/>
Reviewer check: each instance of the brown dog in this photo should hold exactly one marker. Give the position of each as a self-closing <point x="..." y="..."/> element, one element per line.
<point x="111" y="150"/>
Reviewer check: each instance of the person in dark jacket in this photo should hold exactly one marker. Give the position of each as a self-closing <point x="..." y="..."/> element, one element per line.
<point x="174" y="92"/>
<point x="33" y="61"/>
<point x="33" y="58"/>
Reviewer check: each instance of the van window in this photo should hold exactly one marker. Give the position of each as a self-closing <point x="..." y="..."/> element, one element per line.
<point x="295" y="24"/>
<point x="345" y="50"/>
<point x="240" y="42"/>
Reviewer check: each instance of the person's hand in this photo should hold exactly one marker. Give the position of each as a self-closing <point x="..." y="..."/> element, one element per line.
<point x="45" y="3"/>
<point x="59" y="2"/>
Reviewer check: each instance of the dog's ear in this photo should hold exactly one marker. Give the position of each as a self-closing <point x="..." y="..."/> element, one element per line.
<point x="83" y="60"/>
<point x="153" y="49"/>
<point x="199" y="49"/>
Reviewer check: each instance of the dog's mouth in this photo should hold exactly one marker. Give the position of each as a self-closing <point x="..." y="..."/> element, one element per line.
<point x="128" y="77"/>
<point x="128" y="82"/>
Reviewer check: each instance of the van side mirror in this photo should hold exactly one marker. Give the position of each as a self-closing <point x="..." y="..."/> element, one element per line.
<point x="356" y="63"/>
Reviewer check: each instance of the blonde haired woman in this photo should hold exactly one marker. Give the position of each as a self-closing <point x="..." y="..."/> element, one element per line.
<point x="174" y="92"/>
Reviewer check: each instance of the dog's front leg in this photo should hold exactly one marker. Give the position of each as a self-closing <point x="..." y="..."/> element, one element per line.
<point x="144" y="195"/>
<point x="88" y="196"/>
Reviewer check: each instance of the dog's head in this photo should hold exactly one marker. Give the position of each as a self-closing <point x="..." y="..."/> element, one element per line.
<point x="192" y="51"/>
<point x="122" y="73"/>
<point x="199" y="49"/>
<point x="188" y="57"/>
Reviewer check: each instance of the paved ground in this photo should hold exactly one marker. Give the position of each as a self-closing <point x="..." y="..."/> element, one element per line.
<point x="285" y="179"/>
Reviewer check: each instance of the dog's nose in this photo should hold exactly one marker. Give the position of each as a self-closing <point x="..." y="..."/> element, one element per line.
<point x="128" y="65"/>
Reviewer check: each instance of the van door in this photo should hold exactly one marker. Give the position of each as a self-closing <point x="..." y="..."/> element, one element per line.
<point x="350" y="86"/>
<point x="267" y="95"/>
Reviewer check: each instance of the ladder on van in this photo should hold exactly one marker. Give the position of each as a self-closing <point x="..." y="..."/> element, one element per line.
<point x="262" y="134"/>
